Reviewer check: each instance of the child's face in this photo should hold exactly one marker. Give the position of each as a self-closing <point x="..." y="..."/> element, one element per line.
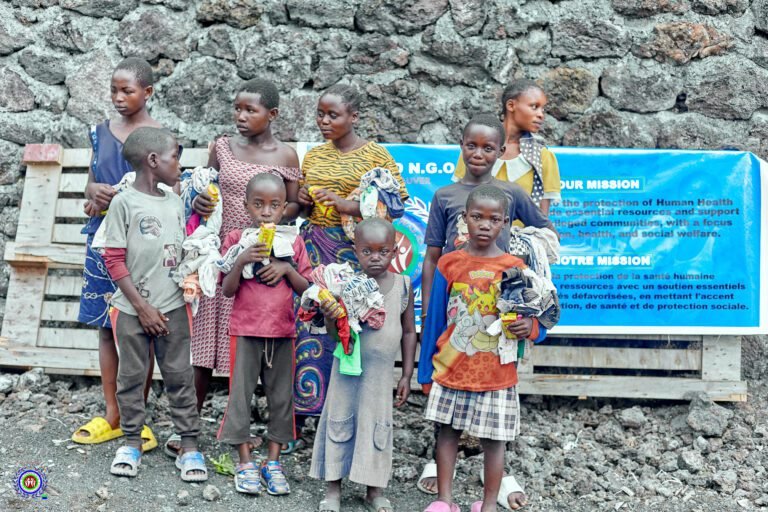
<point x="375" y="248"/>
<point x="527" y="110"/>
<point x="166" y="165"/>
<point x="251" y="116"/>
<point x="265" y="202"/>
<point x="334" y="118"/>
<point x="481" y="146"/>
<point x="485" y="218"/>
<point x="128" y="96"/>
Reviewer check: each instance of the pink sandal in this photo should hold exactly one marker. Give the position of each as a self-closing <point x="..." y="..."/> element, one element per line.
<point x="441" y="506"/>
<point x="477" y="506"/>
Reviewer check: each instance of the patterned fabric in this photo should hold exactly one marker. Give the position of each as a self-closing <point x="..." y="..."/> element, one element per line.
<point x="326" y="167"/>
<point x="484" y="414"/>
<point x="108" y="166"/>
<point x="314" y="351"/>
<point x="210" y="336"/>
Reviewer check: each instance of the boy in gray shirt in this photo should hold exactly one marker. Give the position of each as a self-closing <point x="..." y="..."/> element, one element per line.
<point x="144" y="229"/>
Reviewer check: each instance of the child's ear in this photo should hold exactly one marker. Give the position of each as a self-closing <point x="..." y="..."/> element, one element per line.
<point x="355" y="117"/>
<point x="502" y="149"/>
<point x="510" y="105"/>
<point x="152" y="160"/>
<point x="273" y="113"/>
<point x="148" y="92"/>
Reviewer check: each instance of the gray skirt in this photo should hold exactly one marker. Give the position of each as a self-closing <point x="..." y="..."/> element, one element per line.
<point x="483" y="414"/>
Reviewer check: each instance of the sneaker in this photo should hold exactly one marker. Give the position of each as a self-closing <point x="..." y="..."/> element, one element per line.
<point x="273" y="478"/>
<point x="247" y="479"/>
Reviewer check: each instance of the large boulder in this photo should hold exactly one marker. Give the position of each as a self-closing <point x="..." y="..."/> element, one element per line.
<point x="44" y="64"/>
<point x="154" y="31"/>
<point x="680" y="41"/>
<point x="725" y="88"/>
<point x="76" y="33"/>
<point x="398" y="16"/>
<point x="694" y="131"/>
<point x="715" y="7"/>
<point x="588" y="31"/>
<point x="323" y="13"/>
<point x="642" y="8"/>
<point x="608" y="128"/>
<point x="115" y="9"/>
<point x="220" y="41"/>
<point x="284" y="55"/>
<point x="241" y="13"/>
<point x="17" y="96"/>
<point x="90" y="99"/>
<point x="569" y="91"/>
<point x="638" y="87"/>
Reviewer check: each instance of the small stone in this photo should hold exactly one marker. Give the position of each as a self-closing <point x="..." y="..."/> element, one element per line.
<point x="102" y="508"/>
<point x="664" y="491"/>
<point x="632" y="418"/>
<point x="714" y="7"/>
<point x="569" y="91"/>
<point x="101" y="8"/>
<point x="211" y="493"/>
<point x="103" y="493"/>
<point x="726" y="480"/>
<point x="17" y="96"/>
<point x="33" y="381"/>
<point x="7" y="382"/>
<point x="701" y="444"/>
<point x="649" y="7"/>
<point x="183" y="498"/>
<point x="75" y="407"/>
<point x="690" y="460"/>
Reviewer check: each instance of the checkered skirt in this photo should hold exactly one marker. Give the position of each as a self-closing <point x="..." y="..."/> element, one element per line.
<point x="484" y="414"/>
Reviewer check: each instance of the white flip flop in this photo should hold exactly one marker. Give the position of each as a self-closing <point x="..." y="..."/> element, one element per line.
<point x="429" y="471"/>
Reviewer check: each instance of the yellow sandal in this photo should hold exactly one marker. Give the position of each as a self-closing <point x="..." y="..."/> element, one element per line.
<point x="99" y="431"/>
<point x="150" y="442"/>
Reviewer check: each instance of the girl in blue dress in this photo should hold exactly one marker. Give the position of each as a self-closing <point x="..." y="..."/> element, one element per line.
<point x="131" y="87"/>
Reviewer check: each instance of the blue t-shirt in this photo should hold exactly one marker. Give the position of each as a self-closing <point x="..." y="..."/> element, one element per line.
<point x="447" y="229"/>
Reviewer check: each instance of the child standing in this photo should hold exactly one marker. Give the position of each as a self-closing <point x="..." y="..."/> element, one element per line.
<point x="354" y="434"/>
<point x="472" y="390"/>
<point x="254" y="150"/>
<point x="144" y="230"/>
<point x="526" y="160"/>
<point x="263" y="330"/>
<point x="131" y="87"/>
<point x="482" y="143"/>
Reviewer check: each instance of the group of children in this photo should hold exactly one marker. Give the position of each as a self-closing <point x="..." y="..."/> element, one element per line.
<point x="130" y="293"/>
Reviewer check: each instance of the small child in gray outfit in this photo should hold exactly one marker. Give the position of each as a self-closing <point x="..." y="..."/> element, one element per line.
<point x="354" y="434"/>
<point x="144" y="229"/>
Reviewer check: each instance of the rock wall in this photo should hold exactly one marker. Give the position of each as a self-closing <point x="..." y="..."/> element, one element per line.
<point x="633" y="73"/>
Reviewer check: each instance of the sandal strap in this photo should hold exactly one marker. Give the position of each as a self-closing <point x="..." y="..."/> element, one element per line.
<point x="127" y="455"/>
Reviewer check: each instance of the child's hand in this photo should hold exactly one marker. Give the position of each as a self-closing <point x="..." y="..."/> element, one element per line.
<point x="305" y="199"/>
<point x="327" y="197"/>
<point x="153" y="321"/>
<point x="403" y="391"/>
<point x="90" y="209"/>
<point x="100" y="195"/>
<point x="254" y="253"/>
<point x="331" y="309"/>
<point x="274" y="272"/>
<point x="522" y="327"/>
<point x="203" y="204"/>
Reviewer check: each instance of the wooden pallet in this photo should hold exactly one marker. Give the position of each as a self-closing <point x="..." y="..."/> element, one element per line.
<point x="40" y="329"/>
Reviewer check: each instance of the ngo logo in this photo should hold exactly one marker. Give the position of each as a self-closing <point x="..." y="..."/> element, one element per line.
<point x="31" y="482"/>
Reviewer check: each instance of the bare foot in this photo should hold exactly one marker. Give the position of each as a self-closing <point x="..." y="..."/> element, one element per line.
<point x="517" y="500"/>
<point x="430" y="484"/>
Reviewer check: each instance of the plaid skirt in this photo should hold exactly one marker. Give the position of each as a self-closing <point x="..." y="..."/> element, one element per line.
<point x="484" y="414"/>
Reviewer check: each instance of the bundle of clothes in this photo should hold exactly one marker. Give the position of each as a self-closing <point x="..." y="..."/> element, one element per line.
<point x="379" y="196"/>
<point x="527" y="292"/>
<point x="361" y="301"/>
<point x="282" y="248"/>
<point x="197" y="273"/>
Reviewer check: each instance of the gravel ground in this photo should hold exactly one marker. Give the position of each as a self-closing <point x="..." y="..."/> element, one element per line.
<point x="590" y="455"/>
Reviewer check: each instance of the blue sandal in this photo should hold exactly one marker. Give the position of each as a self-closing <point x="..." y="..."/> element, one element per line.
<point x="273" y="478"/>
<point x="189" y="462"/>
<point x="126" y="456"/>
<point x="247" y="479"/>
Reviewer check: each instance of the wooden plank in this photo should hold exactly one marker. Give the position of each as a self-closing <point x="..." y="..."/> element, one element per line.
<point x="77" y="157"/>
<point x="721" y="358"/>
<point x="615" y="357"/>
<point x="64" y="285"/>
<point x="68" y="338"/>
<point x="21" y="320"/>
<point x="630" y="387"/>
<point x="50" y="358"/>
<point x="68" y="234"/>
<point x="58" y="311"/>
<point x="59" y="255"/>
<point x="41" y="188"/>
<point x="69" y="208"/>
<point x="73" y="182"/>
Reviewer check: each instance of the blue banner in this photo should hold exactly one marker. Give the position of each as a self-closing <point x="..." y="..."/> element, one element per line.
<point x="653" y="241"/>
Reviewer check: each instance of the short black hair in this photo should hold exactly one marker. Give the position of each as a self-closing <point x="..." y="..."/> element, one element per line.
<point x="514" y="90"/>
<point x="373" y="224"/>
<point x="263" y="177"/>
<point x="140" y="69"/>
<point x="143" y="141"/>
<point x="489" y="192"/>
<point x="489" y="120"/>
<point x="348" y="94"/>
<point x="269" y="96"/>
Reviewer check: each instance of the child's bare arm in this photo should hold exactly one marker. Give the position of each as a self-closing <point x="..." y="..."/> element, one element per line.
<point x="99" y="194"/>
<point x="428" y="275"/>
<point x="408" y="348"/>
